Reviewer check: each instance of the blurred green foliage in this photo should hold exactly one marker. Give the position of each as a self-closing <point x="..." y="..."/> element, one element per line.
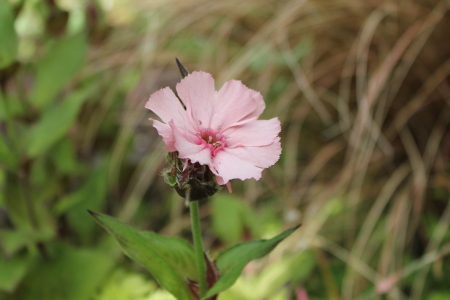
<point x="74" y="77"/>
<point x="48" y="250"/>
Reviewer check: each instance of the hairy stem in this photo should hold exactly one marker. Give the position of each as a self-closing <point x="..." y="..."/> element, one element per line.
<point x="198" y="246"/>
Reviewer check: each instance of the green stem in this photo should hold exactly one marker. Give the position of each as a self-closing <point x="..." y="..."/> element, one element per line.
<point x="198" y="247"/>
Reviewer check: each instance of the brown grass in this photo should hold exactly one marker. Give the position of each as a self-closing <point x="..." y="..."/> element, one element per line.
<point x="362" y="90"/>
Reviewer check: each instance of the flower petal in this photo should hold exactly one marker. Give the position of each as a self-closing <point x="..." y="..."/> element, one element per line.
<point x="187" y="149"/>
<point x="260" y="105"/>
<point x="255" y="133"/>
<point x="233" y="103"/>
<point x="262" y="157"/>
<point x="197" y="92"/>
<point x="166" y="105"/>
<point x="166" y="132"/>
<point x="229" y="166"/>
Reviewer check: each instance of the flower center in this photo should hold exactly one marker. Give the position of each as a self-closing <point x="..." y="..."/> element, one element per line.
<point x="211" y="139"/>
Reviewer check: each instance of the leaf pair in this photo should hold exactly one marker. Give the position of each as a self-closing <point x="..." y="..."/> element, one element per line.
<point x="171" y="260"/>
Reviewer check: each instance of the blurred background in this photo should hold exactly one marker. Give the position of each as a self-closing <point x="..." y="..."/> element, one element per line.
<point x="362" y="89"/>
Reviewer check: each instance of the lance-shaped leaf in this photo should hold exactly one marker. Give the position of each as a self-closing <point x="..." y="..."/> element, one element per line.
<point x="232" y="261"/>
<point x="169" y="259"/>
<point x="57" y="68"/>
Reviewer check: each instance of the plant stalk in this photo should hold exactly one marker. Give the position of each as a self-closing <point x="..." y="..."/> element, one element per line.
<point x="198" y="246"/>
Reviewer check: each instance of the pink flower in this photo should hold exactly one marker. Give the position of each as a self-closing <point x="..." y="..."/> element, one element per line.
<point x="218" y="128"/>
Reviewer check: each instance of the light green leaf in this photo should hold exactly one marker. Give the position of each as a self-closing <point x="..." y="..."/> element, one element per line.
<point x="30" y="22"/>
<point x="227" y="218"/>
<point x="13" y="240"/>
<point x="55" y="70"/>
<point x="232" y="261"/>
<point x="125" y="285"/>
<point x="170" y="260"/>
<point x="13" y="270"/>
<point x="288" y="269"/>
<point x="71" y="275"/>
<point x="8" y="44"/>
<point x="55" y="123"/>
<point x="231" y="216"/>
<point x="438" y="295"/>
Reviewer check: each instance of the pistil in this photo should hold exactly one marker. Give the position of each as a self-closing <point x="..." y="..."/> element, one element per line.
<point x="211" y="139"/>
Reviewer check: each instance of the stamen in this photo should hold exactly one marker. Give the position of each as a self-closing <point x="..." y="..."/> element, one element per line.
<point x="220" y="127"/>
<point x="211" y="139"/>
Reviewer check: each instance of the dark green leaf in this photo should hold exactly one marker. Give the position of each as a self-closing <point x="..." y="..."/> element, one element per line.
<point x="170" y="260"/>
<point x="232" y="261"/>
<point x="8" y="44"/>
<point x="55" y="123"/>
<point x="55" y="70"/>
<point x="71" y="275"/>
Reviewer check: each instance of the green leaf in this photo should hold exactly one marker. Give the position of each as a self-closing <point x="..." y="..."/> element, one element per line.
<point x="232" y="261"/>
<point x="125" y="285"/>
<point x="226" y="218"/>
<point x="12" y="241"/>
<point x="231" y="216"/>
<point x="177" y="252"/>
<point x="438" y="295"/>
<point x="11" y="107"/>
<point x="292" y="269"/>
<point x="8" y="44"/>
<point x="65" y="158"/>
<point x="170" y="260"/>
<point x="55" y="123"/>
<point x="71" y="275"/>
<point x="13" y="270"/>
<point x="91" y="195"/>
<point x="7" y="155"/>
<point x="55" y="70"/>
<point x="2" y="188"/>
